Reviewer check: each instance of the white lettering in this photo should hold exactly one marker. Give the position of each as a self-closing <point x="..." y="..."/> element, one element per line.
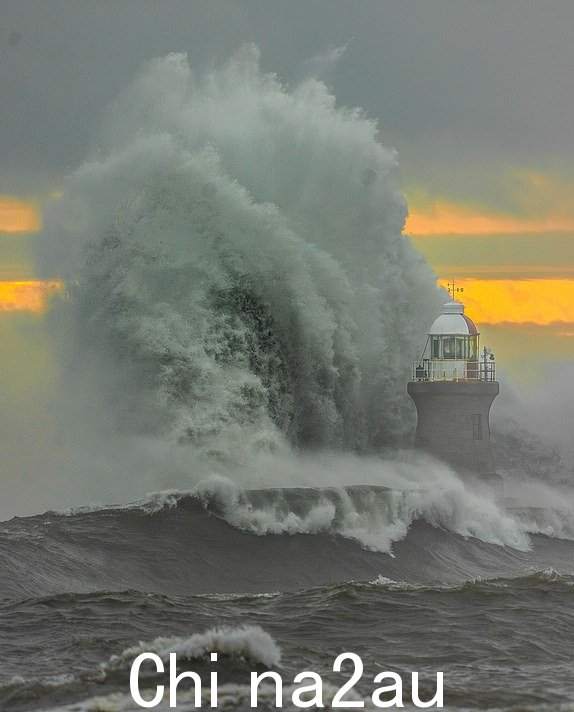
<point x="316" y="687"/>
<point x="175" y="679"/>
<point x="436" y="700"/>
<point x="256" y="679"/>
<point x="213" y="682"/>
<point x="134" y="680"/>
<point x="338" y="699"/>
<point x="303" y="696"/>
<point x="397" y="687"/>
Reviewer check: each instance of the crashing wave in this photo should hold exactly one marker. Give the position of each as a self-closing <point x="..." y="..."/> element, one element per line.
<point x="240" y="278"/>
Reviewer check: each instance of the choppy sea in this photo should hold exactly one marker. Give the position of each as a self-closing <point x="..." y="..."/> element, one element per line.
<point x="83" y="592"/>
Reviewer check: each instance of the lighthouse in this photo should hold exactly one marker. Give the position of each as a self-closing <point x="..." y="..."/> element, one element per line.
<point x="453" y="386"/>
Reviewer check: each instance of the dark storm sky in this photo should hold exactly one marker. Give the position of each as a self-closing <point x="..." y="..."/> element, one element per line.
<point x="450" y="81"/>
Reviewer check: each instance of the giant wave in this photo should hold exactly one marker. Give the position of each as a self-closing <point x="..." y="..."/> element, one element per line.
<point x="237" y="276"/>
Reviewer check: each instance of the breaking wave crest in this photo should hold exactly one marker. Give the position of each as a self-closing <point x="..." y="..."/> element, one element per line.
<point x="250" y="642"/>
<point x="239" y="281"/>
<point x="376" y="517"/>
<point x="220" y="539"/>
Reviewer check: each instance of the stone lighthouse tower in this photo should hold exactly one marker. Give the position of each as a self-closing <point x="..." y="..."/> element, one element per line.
<point x="453" y="387"/>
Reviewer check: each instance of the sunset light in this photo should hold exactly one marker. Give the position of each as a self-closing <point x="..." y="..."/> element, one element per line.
<point x="17" y="215"/>
<point x="30" y="295"/>
<point x="443" y="218"/>
<point x="528" y="301"/>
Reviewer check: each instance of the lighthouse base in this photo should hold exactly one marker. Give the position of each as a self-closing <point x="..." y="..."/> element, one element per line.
<point x="453" y="423"/>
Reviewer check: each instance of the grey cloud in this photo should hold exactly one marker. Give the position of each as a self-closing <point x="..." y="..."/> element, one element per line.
<point x="450" y="81"/>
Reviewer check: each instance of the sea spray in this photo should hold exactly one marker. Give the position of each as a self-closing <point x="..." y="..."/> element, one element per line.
<point x="238" y="278"/>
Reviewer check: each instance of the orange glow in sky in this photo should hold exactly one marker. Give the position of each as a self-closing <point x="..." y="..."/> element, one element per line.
<point x="32" y="295"/>
<point x="516" y="264"/>
<point x="534" y="201"/>
<point x="444" y="218"/>
<point x="522" y="301"/>
<point x="18" y="215"/>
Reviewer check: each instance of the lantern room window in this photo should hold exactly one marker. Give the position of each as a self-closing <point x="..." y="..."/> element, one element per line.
<point x="473" y="346"/>
<point x="448" y="347"/>
<point x="461" y="348"/>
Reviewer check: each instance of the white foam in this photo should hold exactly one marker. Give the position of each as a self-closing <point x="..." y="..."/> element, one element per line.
<point x="251" y="642"/>
<point x="374" y="517"/>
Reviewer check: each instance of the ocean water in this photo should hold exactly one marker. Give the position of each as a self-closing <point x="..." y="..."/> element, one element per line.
<point x="82" y="593"/>
<point x="240" y="317"/>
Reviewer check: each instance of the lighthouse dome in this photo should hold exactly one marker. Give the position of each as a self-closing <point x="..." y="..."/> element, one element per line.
<point x="453" y="321"/>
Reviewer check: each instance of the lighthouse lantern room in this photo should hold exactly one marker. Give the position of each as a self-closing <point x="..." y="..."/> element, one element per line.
<point x="452" y="350"/>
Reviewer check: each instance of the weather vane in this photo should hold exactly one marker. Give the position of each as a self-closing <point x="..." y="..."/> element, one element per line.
<point x="453" y="290"/>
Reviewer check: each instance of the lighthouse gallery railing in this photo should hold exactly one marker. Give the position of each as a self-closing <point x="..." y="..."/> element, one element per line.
<point x="453" y="370"/>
